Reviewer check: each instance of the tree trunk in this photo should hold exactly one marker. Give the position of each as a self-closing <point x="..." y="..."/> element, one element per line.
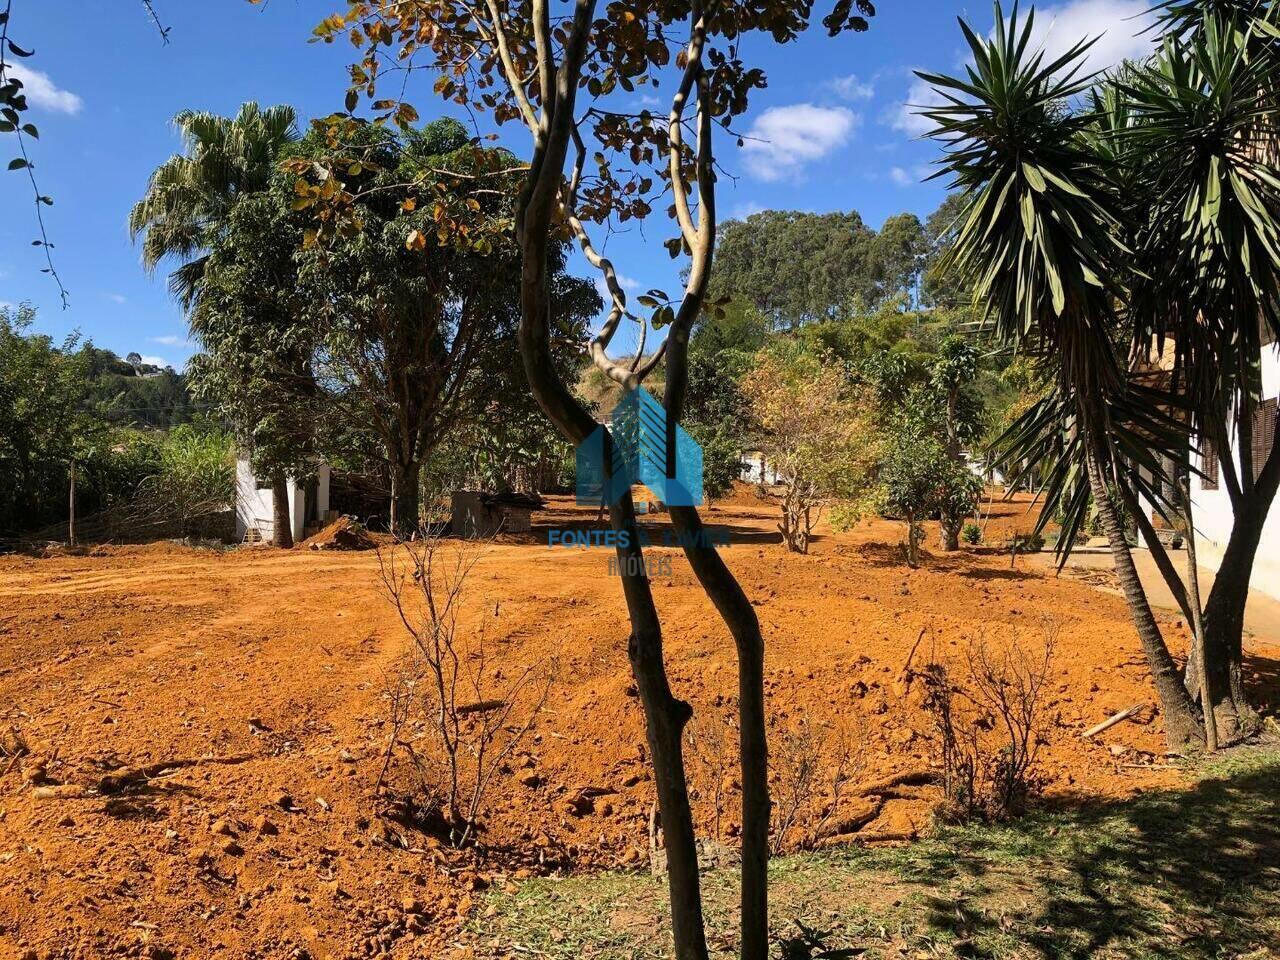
<point x="665" y="720"/>
<point x="950" y="531"/>
<point x="281" y="515"/>
<point x="405" y="497"/>
<point x="1224" y="626"/>
<point x="744" y="626"/>
<point x="71" y="506"/>
<point x="1197" y="620"/>
<point x="1181" y="726"/>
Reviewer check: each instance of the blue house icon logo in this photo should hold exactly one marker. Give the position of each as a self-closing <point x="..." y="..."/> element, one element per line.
<point x="644" y="447"/>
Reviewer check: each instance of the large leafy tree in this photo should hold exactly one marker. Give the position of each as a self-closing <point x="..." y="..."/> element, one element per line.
<point x="187" y="211"/>
<point x="557" y="73"/>
<point x="418" y="342"/>
<point x="43" y="388"/>
<point x="796" y="267"/>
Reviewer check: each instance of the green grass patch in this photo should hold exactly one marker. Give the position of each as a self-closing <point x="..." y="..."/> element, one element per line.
<point x="1170" y="874"/>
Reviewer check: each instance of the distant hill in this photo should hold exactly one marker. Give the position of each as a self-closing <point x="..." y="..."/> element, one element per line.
<point x="130" y="392"/>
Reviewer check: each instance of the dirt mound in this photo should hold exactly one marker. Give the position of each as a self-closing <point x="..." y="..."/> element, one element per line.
<point x="343" y="534"/>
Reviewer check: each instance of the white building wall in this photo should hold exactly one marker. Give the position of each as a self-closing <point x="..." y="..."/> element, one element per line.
<point x="756" y="469"/>
<point x="254" y="501"/>
<point x="1214" y="516"/>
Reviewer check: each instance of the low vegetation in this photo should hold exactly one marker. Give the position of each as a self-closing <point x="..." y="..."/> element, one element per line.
<point x="1171" y="874"/>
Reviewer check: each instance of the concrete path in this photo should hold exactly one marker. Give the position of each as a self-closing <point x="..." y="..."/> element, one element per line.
<point x="1262" y="615"/>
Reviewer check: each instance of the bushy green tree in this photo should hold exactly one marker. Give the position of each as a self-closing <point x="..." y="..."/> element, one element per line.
<point x="43" y="422"/>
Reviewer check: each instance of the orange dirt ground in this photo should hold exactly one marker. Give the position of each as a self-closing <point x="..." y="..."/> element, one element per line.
<point x="270" y="671"/>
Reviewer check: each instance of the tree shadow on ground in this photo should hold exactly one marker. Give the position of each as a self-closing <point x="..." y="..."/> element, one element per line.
<point x="1169" y="874"/>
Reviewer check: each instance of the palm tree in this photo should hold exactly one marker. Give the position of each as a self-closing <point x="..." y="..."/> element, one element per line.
<point x="188" y="204"/>
<point x="190" y="195"/>
<point x="1040" y="243"/>
<point x="1203" y="132"/>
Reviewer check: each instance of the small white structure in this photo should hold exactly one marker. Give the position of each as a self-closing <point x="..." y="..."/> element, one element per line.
<point x="756" y="469"/>
<point x="308" y="503"/>
<point x="1212" y="502"/>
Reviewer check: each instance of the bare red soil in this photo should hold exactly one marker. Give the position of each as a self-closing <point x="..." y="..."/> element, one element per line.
<point x="204" y="729"/>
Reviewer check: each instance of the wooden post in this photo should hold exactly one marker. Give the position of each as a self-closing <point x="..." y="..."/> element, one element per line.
<point x="71" y="505"/>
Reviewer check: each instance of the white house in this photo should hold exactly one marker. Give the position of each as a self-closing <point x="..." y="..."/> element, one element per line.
<point x="308" y="503"/>
<point x="756" y="469"/>
<point x="1213" y="514"/>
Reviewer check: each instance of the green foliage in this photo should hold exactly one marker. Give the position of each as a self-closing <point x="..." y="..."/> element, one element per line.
<point x="815" y="428"/>
<point x="971" y="533"/>
<point x="138" y="394"/>
<point x="196" y="471"/>
<point x="918" y="478"/>
<point x="797" y="268"/>
<point x="43" y="426"/>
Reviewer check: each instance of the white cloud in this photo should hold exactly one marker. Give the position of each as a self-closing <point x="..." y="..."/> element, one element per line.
<point x="851" y="88"/>
<point x="169" y="340"/>
<point x="43" y="92"/>
<point x="904" y="177"/>
<point x="741" y="211"/>
<point x="783" y="139"/>
<point x="1118" y="25"/>
<point x="114" y="297"/>
<point x="907" y="116"/>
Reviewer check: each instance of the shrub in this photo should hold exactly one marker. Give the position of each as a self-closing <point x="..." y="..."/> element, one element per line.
<point x="987" y="729"/>
<point x="971" y="534"/>
<point x="458" y="710"/>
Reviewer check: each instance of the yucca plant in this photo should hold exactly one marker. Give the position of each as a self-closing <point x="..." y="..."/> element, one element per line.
<point x="1042" y="246"/>
<point x="1203" y="137"/>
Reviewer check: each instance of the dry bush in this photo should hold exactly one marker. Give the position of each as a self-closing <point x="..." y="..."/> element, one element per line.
<point x="458" y="706"/>
<point x="712" y="748"/>
<point x="986" y="727"/>
<point x="811" y="768"/>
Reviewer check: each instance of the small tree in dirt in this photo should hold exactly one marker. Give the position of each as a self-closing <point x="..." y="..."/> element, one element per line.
<point x="458" y="709"/>
<point x="951" y="377"/>
<point x="918" y="480"/>
<point x="814" y="430"/>
<point x="987" y="727"/>
<point x="563" y="75"/>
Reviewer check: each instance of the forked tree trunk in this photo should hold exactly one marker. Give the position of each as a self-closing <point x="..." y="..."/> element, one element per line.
<point x="1181" y="726"/>
<point x="740" y="617"/>
<point x="281" y="518"/>
<point x="665" y="719"/>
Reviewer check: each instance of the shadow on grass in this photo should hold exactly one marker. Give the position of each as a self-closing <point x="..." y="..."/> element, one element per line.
<point x="1172" y="874"/>
<point x="1192" y="873"/>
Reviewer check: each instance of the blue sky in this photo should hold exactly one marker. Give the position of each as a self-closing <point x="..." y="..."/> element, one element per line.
<point x="839" y="135"/>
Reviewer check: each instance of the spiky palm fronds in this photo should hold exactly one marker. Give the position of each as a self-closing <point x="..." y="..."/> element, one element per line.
<point x="1044" y="245"/>
<point x="190" y="193"/>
